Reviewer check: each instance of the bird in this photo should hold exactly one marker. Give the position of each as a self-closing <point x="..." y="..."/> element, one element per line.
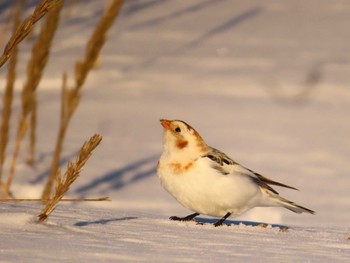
<point x="208" y="182"/>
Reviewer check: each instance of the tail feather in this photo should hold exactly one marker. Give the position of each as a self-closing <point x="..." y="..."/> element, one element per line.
<point x="292" y="206"/>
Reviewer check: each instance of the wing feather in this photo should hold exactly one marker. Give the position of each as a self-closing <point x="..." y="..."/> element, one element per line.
<point x="225" y="165"/>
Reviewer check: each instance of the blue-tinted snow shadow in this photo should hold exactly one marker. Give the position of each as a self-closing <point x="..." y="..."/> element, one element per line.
<point x="221" y="28"/>
<point x="131" y="8"/>
<point x="7" y="4"/>
<point x="124" y="176"/>
<point x="201" y="220"/>
<point x="174" y="15"/>
<point x="83" y="22"/>
<point x="104" y="221"/>
<point x="45" y="174"/>
<point x="3" y="7"/>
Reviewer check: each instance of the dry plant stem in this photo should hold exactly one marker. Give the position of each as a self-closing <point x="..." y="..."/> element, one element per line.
<point x="71" y="98"/>
<point x="41" y="9"/>
<point x="100" y="199"/>
<point x="20" y="134"/>
<point x="96" y="42"/>
<point x="32" y="133"/>
<point x="7" y="100"/>
<point x="35" y="68"/>
<point x="72" y="173"/>
<point x="64" y="121"/>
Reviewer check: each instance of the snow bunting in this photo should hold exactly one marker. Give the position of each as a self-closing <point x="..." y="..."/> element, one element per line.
<point x="207" y="181"/>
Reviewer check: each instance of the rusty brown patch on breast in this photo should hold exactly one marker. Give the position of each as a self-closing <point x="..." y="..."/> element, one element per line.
<point x="188" y="166"/>
<point x="178" y="169"/>
<point x="181" y="144"/>
<point x="175" y="168"/>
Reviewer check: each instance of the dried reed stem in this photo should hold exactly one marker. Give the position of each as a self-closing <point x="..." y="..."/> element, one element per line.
<point x="7" y="99"/>
<point x="100" y="199"/>
<point x="64" y="121"/>
<point x="71" y="97"/>
<point x="72" y="173"/>
<point x="41" y="9"/>
<point x="32" y="133"/>
<point x="96" y="42"/>
<point x="35" y="68"/>
<point x="34" y="71"/>
<point x="20" y="134"/>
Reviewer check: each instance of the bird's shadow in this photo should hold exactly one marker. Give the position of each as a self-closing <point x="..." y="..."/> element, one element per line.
<point x="205" y="221"/>
<point x="103" y="221"/>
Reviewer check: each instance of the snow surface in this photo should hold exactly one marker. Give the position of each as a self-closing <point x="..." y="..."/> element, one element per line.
<point x="264" y="81"/>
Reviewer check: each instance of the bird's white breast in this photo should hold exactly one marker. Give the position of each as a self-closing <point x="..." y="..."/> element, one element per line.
<point x="205" y="190"/>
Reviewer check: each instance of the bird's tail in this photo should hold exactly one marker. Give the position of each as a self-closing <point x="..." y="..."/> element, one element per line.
<point x="291" y="205"/>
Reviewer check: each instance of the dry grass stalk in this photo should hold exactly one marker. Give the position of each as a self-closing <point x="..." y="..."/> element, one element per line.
<point x="20" y="134"/>
<point x="7" y="99"/>
<point x="100" y="199"/>
<point x="35" y="68"/>
<point x="41" y="9"/>
<point x="72" y="173"/>
<point x="32" y="133"/>
<point x="96" y="42"/>
<point x="64" y="121"/>
<point x="71" y="98"/>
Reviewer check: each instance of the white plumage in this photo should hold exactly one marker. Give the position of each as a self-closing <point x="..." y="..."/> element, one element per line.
<point x="207" y="181"/>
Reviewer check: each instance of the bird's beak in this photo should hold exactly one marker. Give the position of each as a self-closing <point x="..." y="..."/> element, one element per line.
<point x="165" y="124"/>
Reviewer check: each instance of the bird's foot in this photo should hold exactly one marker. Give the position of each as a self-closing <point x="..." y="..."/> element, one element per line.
<point x="222" y="220"/>
<point x="284" y="229"/>
<point x="186" y="218"/>
<point x="219" y="223"/>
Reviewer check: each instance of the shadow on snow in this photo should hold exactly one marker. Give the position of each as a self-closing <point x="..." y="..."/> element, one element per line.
<point x="201" y="220"/>
<point x="175" y="15"/>
<point x="202" y="39"/>
<point x="124" y="176"/>
<point x="103" y="221"/>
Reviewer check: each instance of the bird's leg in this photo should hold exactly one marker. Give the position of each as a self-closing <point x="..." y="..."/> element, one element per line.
<point x="186" y="218"/>
<point x="221" y="221"/>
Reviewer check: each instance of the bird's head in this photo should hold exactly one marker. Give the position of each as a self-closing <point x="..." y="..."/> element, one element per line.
<point x="181" y="138"/>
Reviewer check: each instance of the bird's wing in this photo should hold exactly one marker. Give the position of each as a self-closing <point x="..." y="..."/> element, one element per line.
<point x="219" y="157"/>
<point x="226" y="165"/>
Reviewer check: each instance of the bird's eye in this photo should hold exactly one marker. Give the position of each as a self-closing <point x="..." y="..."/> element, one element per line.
<point x="178" y="129"/>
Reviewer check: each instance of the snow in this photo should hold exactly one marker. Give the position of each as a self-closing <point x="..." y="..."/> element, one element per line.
<point x="264" y="81"/>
